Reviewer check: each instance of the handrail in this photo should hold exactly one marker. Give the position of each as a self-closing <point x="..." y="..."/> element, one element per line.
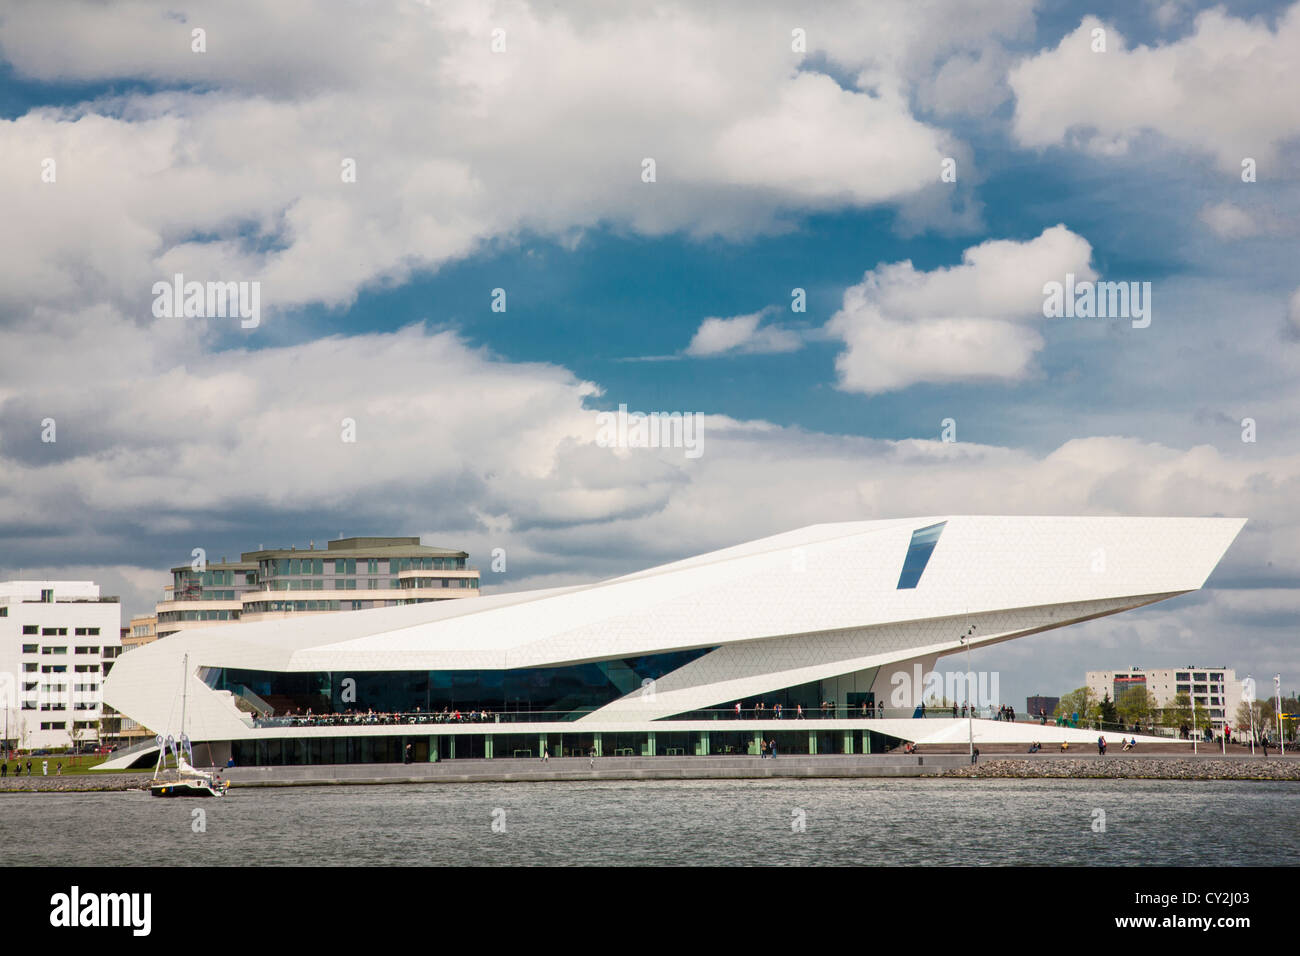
<point x="481" y="716"/>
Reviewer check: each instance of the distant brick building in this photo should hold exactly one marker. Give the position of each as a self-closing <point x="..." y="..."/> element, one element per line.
<point x="1045" y="704"/>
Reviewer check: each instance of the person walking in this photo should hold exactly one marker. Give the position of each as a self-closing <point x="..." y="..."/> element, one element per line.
<point x="546" y="755"/>
<point x="1101" y="746"/>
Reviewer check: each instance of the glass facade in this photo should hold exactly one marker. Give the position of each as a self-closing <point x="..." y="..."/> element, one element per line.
<point x="559" y="693"/>
<point x="425" y="747"/>
<point x="918" y="554"/>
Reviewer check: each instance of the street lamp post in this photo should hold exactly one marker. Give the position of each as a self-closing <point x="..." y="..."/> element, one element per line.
<point x="970" y="707"/>
<point x="1250" y="709"/>
<point x="1281" y="737"/>
<point x="1223" y="731"/>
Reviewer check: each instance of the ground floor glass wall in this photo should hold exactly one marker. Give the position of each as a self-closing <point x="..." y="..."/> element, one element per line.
<point x="423" y="748"/>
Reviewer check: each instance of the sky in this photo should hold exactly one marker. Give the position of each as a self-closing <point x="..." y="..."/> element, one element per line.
<point x="837" y="255"/>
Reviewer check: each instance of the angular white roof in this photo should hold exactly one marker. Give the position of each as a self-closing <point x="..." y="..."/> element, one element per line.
<point x="836" y="584"/>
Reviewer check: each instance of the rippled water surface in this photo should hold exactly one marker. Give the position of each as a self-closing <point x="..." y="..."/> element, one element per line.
<point x="872" y="822"/>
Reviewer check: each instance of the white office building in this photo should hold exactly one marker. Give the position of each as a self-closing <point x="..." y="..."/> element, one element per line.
<point x="58" y="641"/>
<point x="1216" y="689"/>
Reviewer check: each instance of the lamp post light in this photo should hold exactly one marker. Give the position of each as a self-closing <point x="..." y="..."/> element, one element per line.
<point x="970" y="708"/>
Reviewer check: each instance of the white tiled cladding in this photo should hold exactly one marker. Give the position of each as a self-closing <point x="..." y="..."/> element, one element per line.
<point x="844" y="576"/>
<point x="747" y="670"/>
<point x="826" y="578"/>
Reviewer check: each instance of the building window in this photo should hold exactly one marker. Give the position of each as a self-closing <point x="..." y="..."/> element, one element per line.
<point x="30" y="629"/>
<point x="29" y="649"/>
<point x="918" y="555"/>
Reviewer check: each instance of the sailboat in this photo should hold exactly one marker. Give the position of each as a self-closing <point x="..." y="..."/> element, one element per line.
<point x="183" y="780"/>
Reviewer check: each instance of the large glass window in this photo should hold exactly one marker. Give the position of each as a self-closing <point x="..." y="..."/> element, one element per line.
<point x="918" y="554"/>
<point x="562" y="693"/>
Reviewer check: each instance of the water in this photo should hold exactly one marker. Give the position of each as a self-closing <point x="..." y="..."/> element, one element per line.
<point x="860" y="822"/>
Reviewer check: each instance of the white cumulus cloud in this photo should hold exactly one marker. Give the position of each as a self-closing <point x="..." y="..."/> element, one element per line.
<point x="1226" y="89"/>
<point x="965" y="323"/>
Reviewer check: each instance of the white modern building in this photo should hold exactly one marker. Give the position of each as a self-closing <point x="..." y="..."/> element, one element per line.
<point x="1216" y="689"/>
<point x="833" y="624"/>
<point x="58" y="641"/>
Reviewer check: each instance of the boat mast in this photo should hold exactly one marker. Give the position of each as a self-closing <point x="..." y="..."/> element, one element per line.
<point x="185" y="683"/>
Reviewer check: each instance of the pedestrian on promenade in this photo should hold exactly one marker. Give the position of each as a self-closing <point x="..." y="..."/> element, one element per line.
<point x="4" y="769"/>
<point x="546" y="754"/>
<point x="738" y="710"/>
<point x="1101" y="746"/>
<point x="771" y="745"/>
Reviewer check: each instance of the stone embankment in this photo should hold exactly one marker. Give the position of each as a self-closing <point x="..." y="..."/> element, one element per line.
<point x="1169" y="768"/>
<point x="74" y="783"/>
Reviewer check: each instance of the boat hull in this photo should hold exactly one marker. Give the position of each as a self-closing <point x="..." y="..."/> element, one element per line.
<point x="184" y="789"/>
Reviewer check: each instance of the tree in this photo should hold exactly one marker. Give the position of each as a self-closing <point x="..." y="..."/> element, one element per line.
<point x="1202" y="721"/>
<point x="1249" y="715"/>
<point x="1106" y="710"/>
<point x="1080" y="701"/>
<point x="1180" y="712"/>
<point x="1137" y="705"/>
